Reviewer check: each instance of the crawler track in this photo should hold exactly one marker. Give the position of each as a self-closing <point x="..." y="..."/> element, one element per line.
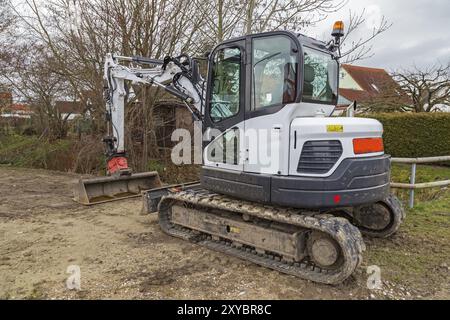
<point x="392" y="210"/>
<point x="346" y="235"/>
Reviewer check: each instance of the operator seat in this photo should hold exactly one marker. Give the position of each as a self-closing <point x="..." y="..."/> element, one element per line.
<point x="290" y="82"/>
<point x="308" y="87"/>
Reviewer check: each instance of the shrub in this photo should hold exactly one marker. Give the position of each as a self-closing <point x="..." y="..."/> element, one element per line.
<point x="29" y="151"/>
<point x="84" y="156"/>
<point x="410" y="135"/>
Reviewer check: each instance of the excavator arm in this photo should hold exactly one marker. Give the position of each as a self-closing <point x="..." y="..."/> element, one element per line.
<point x="177" y="76"/>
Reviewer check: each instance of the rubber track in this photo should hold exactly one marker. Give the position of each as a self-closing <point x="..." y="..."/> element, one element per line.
<point x="347" y="236"/>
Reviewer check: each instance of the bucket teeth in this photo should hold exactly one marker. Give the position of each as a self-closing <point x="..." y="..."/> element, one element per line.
<point x="106" y="189"/>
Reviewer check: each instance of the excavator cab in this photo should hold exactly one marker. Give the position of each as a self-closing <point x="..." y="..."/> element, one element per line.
<point x="269" y="100"/>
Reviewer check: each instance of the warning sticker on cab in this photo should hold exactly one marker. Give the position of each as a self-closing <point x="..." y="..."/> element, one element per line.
<point x="335" y="128"/>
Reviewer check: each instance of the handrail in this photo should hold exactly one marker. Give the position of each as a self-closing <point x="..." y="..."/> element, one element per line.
<point x="412" y="186"/>
<point x="421" y="160"/>
<point x="425" y="185"/>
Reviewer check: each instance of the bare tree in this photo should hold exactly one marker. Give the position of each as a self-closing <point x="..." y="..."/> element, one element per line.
<point x="73" y="36"/>
<point x="6" y="23"/>
<point x="218" y="20"/>
<point x="414" y="90"/>
<point x="428" y="88"/>
<point x="6" y="17"/>
<point x="287" y="14"/>
<point x="78" y="34"/>
<point x="355" y="47"/>
<point x="39" y="86"/>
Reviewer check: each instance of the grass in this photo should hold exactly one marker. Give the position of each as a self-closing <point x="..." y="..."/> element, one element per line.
<point x="30" y="151"/>
<point x="424" y="173"/>
<point x="418" y="254"/>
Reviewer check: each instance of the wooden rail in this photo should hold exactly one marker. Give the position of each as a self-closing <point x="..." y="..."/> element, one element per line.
<point x="412" y="186"/>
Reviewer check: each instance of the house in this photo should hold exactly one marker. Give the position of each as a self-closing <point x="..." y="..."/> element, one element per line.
<point x="167" y="116"/>
<point x="17" y="111"/>
<point x="69" y="110"/>
<point x="6" y="99"/>
<point x="363" y="85"/>
<point x="83" y="106"/>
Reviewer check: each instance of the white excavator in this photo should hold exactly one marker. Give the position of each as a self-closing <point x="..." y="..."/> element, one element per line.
<point x="283" y="184"/>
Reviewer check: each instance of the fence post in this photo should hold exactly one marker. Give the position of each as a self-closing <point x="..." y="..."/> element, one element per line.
<point x="412" y="181"/>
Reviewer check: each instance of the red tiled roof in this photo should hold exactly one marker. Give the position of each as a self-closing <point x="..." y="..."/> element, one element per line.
<point x="374" y="82"/>
<point x="367" y="77"/>
<point x="19" y="108"/>
<point x="5" y="98"/>
<point x="5" y="95"/>
<point x="74" y="107"/>
<point x="354" y="95"/>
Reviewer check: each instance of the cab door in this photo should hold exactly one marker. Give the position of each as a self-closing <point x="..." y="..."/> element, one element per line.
<point x="274" y="79"/>
<point x="224" y="114"/>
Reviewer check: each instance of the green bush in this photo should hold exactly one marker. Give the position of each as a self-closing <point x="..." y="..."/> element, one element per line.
<point x="410" y="135"/>
<point x="30" y="151"/>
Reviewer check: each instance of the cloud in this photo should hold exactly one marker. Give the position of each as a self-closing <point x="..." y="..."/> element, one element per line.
<point x="418" y="36"/>
<point x="373" y="16"/>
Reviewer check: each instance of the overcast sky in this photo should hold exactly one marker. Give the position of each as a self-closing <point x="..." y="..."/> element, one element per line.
<point x="420" y="33"/>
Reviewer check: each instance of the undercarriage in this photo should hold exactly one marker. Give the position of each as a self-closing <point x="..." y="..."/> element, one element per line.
<point x="320" y="246"/>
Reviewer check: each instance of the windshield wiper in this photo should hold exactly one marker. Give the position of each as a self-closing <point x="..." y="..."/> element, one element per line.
<point x="266" y="58"/>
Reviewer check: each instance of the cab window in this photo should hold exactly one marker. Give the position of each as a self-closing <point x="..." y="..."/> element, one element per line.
<point x="275" y="67"/>
<point x="225" y="84"/>
<point x="320" y="77"/>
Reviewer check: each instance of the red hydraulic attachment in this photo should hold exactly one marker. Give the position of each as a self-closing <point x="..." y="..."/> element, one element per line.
<point x="117" y="164"/>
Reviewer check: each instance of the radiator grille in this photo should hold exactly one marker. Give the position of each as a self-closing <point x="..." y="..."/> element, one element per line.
<point x="318" y="157"/>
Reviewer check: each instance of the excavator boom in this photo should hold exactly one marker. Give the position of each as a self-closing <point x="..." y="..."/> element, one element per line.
<point x="120" y="183"/>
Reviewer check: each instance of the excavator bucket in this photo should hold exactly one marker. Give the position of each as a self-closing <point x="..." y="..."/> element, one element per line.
<point x="112" y="188"/>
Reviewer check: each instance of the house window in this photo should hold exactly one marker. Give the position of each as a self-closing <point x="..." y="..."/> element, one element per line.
<point x="375" y="87"/>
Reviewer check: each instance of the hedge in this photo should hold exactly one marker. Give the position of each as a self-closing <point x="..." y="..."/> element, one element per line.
<point x="410" y="135"/>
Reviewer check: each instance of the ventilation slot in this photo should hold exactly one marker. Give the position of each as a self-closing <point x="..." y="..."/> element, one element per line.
<point x="318" y="157"/>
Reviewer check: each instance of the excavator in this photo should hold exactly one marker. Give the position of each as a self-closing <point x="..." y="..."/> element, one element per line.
<point x="283" y="184"/>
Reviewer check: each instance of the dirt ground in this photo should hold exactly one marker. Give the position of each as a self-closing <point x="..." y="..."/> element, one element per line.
<point x="124" y="255"/>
